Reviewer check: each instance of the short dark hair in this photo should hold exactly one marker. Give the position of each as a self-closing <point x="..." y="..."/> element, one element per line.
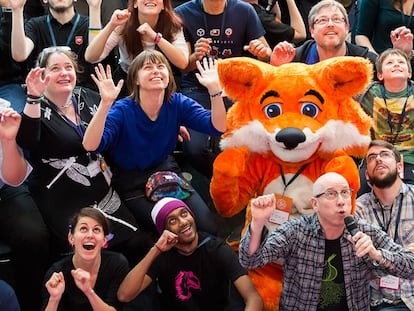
<point x="93" y="213"/>
<point x="387" y="145"/>
<point x="380" y="60"/>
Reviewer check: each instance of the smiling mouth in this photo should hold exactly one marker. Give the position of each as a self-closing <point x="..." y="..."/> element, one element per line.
<point x="88" y="246"/>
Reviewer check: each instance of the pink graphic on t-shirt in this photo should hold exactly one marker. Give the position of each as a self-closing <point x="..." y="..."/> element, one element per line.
<point x="184" y="281"/>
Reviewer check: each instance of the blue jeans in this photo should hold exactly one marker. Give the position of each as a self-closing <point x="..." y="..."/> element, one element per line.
<point x="390" y="307"/>
<point x="8" y="299"/>
<point x="15" y="94"/>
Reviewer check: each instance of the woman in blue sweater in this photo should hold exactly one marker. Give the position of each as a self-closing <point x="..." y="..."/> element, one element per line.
<point x="139" y="133"/>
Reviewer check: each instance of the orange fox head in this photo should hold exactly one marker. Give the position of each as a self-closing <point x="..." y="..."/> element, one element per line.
<point x="296" y="111"/>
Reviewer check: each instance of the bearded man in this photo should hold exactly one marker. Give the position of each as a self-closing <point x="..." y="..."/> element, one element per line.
<point x="390" y="205"/>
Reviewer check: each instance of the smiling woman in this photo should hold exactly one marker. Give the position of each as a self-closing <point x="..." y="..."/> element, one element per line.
<point x="66" y="177"/>
<point x="91" y="277"/>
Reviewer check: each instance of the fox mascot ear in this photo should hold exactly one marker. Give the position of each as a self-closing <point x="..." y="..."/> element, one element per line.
<point x="337" y="79"/>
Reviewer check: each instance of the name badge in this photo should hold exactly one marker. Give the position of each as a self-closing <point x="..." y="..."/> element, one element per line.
<point x="389" y="281"/>
<point x="282" y="210"/>
<point x="93" y="168"/>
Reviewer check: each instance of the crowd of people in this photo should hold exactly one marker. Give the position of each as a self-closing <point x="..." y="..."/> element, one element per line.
<point x="95" y="98"/>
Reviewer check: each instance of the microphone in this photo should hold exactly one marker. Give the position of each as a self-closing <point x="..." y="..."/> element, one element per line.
<point x="351" y="225"/>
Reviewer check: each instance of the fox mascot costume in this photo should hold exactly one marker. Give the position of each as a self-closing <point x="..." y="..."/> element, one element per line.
<point x="288" y="125"/>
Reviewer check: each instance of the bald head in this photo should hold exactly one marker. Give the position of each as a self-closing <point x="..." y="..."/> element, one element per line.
<point x="326" y="181"/>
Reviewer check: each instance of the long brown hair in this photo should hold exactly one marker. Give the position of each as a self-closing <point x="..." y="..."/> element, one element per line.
<point x="168" y="25"/>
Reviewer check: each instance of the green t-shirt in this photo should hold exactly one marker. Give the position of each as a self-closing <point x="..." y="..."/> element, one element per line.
<point x="391" y="122"/>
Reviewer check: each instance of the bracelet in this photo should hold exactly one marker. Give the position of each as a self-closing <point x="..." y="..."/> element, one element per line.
<point x="157" y="38"/>
<point x="94" y="30"/>
<point x="216" y="94"/>
<point x="34" y="97"/>
<point x="157" y="247"/>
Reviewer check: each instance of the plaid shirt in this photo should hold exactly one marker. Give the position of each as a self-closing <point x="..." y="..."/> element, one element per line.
<point x="301" y="243"/>
<point x="366" y="204"/>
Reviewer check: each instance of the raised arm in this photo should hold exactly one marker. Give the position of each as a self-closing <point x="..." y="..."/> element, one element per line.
<point x="83" y="281"/>
<point x="21" y="46"/>
<point x="96" y="48"/>
<point x="137" y="279"/>
<point x="14" y="167"/>
<point x="208" y="77"/>
<point x="109" y="92"/>
<point x="296" y="21"/>
<point x="175" y="55"/>
<point x="94" y="18"/>
<point x="261" y="208"/>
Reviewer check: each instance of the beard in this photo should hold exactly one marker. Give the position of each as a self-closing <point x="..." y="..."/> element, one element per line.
<point x="384" y="182"/>
<point x="60" y="8"/>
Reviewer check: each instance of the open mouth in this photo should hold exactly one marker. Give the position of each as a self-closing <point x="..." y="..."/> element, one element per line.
<point x="88" y="246"/>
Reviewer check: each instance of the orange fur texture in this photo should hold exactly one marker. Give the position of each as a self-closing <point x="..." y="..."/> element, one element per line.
<point x="282" y="119"/>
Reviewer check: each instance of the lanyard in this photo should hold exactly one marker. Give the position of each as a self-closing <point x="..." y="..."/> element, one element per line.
<point x="282" y="174"/>
<point x="397" y="220"/>
<point x="76" y="127"/>
<point x="72" y="31"/>
<point x="403" y="15"/>
<point x="402" y="114"/>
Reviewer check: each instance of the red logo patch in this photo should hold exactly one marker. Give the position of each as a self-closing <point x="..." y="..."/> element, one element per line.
<point x="79" y="40"/>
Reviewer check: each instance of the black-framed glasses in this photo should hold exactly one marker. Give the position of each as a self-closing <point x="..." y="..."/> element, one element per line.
<point x="49" y="50"/>
<point x="384" y="155"/>
<point x="324" y="20"/>
<point x="333" y="194"/>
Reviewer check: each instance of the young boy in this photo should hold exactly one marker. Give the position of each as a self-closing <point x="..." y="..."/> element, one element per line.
<point x="390" y="102"/>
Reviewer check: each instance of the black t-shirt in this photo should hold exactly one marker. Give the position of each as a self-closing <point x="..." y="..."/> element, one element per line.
<point x="333" y="295"/>
<point x="199" y="281"/>
<point x="113" y="269"/>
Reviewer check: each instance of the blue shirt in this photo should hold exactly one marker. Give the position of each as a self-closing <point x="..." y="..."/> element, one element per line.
<point x="136" y="142"/>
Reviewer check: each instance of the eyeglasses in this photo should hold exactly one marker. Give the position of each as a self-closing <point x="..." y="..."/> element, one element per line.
<point x="324" y="20"/>
<point x="49" y="50"/>
<point x="333" y="195"/>
<point x="384" y="155"/>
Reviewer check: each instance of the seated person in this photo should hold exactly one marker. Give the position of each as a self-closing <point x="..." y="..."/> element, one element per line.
<point x="21" y="224"/>
<point x="192" y="268"/>
<point x="140" y="132"/>
<point x="88" y="279"/>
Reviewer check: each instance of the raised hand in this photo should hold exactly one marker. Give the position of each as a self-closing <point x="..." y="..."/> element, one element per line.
<point x="107" y="89"/>
<point x="82" y="280"/>
<point x="35" y="82"/>
<point x="207" y="74"/>
<point x="9" y="123"/>
<point x="402" y="39"/>
<point x="202" y="48"/>
<point x="146" y="31"/>
<point x="16" y="4"/>
<point x="166" y="241"/>
<point x="257" y="48"/>
<point x="120" y="17"/>
<point x="56" y="285"/>
<point x="283" y="53"/>
<point x="262" y="208"/>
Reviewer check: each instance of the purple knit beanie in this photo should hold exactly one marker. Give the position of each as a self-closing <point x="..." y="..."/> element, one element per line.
<point x="162" y="208"/>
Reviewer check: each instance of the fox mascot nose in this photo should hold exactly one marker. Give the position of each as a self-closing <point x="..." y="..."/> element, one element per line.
<point x="291" y="137"/>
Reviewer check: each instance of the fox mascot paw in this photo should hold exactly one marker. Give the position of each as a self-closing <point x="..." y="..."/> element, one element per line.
<point x="287" y="126"/>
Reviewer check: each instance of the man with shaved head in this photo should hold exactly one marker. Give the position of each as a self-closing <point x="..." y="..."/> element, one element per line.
<point x="325" y="268"/>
